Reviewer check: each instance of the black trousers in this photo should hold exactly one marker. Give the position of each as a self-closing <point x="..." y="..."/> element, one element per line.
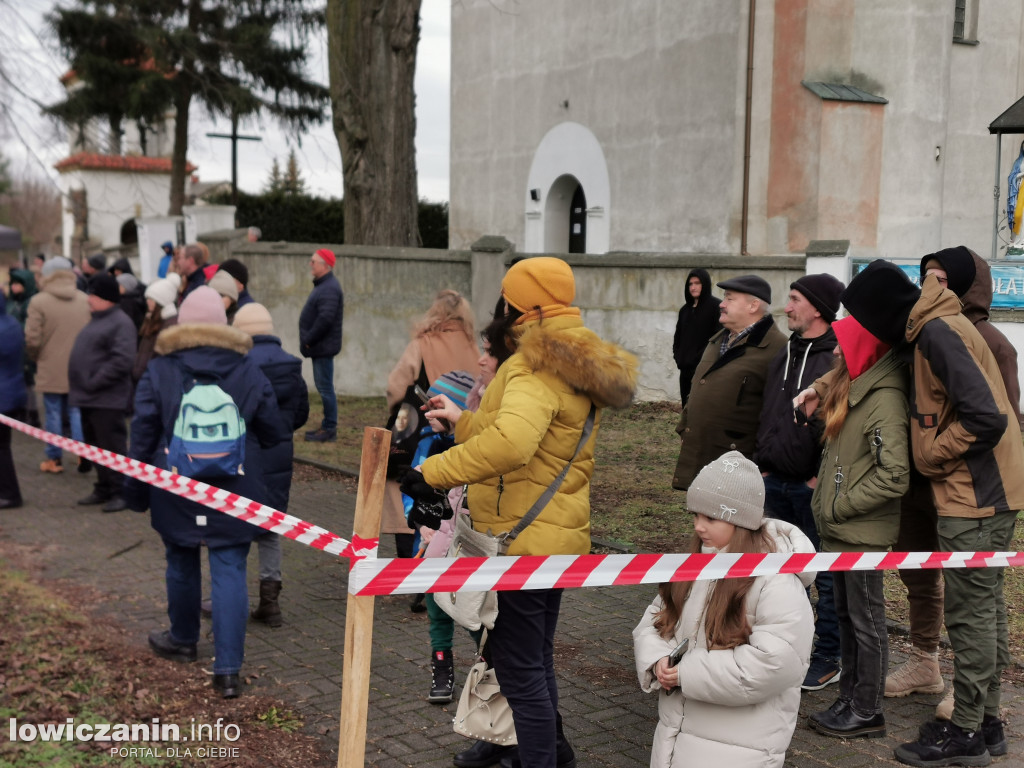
<point x="9" y="489"/>
<point x="106" y="428"/>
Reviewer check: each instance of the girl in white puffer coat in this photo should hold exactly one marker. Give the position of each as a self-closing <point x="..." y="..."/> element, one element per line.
<point x="733" y="698"/>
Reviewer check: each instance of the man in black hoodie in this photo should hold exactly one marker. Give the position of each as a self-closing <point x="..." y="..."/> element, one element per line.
<point x="788" y="454"/>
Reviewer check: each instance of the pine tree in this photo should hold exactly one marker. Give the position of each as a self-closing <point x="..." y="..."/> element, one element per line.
<point x="236" y="57"/>
<point x="275" y="182"/>
<point x="293" y="183"/>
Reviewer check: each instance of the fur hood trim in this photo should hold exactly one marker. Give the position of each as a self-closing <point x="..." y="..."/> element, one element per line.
<point x="189" y="335"/>
<point x="561" y="345"/>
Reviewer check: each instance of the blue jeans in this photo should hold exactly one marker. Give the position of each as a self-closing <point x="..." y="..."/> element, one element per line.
<point x="323" y="380"/>
<point x="790" y="501"/>
<point x="229" y="595"/>
<point x="522" y="651"/>
<point x="56" y="406"/>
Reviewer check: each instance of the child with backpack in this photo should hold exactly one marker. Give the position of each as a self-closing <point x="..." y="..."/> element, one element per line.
<point x="742" y="644"/>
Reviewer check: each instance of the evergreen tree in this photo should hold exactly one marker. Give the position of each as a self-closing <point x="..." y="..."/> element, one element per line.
<point x="293" y="183"/>
<point x="236" y="57"/>
<point x="275" y="182"/>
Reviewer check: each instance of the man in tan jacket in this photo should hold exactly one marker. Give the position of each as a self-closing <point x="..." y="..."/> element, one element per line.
<point x="55" y="316"/>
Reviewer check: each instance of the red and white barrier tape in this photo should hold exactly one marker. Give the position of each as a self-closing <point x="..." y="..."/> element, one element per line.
<point x="232" y="504"/>
<point x="479" y="574"/>
<point x="372" y="576"/>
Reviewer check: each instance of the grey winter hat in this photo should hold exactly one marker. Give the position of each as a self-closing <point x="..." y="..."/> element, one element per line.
<point x="730" y="488"/>
<point x="54" y="264"/>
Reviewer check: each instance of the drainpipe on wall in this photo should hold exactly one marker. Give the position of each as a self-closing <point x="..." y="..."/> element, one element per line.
<point x="746" y="129"/>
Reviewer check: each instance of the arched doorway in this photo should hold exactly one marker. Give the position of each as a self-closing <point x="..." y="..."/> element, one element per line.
<point x="565" y="217"/>
<point x="129" y="233"/>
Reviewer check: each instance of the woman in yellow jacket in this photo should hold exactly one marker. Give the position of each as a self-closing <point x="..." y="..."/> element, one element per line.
<point x="526" y="430"/>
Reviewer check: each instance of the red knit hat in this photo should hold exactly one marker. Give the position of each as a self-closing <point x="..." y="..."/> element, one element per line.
<point x="328" y="257"/>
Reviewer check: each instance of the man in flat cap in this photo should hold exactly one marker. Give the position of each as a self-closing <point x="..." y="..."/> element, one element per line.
<point x="726" y="393"/>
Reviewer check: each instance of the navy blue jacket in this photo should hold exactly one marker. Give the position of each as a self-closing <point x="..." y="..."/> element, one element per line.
<point x="320" y="321"/>
<point x="192" y="282"/>
<point x="284" y="372"/>
<point x="100" y="366"/>
<point x="12" y="372"/>
<point x="218" y="351"/>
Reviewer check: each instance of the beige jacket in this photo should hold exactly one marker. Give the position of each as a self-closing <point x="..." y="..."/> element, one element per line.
<point x="56" y="315"/>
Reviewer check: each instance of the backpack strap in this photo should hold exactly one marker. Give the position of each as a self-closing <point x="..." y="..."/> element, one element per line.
<point x="539" y="504"/>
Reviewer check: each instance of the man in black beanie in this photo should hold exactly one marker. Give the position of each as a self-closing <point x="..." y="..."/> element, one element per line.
<point x="967" y="442"/>
<point x="788" y="454"/>
<point x="240" y="273"/>
<point x="100" y="381"/>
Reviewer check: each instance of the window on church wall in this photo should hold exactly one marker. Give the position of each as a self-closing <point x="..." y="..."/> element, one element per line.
<point x="965" y="21"/>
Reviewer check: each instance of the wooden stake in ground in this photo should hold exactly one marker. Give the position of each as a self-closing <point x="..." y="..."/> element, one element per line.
<point x="355" y="687"/>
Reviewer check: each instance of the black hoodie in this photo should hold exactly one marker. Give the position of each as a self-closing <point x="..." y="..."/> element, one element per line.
<point x="696" y="323"/>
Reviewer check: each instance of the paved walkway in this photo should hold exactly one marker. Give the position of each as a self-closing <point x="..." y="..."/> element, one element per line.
<point x="606" y="716"/>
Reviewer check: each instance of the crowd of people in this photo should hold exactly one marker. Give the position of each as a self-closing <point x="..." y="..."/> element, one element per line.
<point x="896" y="426"/>
<point x="192" y="356"/>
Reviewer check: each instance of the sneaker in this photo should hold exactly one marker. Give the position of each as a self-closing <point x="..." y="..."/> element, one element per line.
<point x="442" y="674"/>
<point x="322" y="436"/>
<point x="822" y="672"/>
<point x="918" y="674"/>
<point x="992" y="733"/>
<point x="941" y="744"/>
<point x="51" y="465"/>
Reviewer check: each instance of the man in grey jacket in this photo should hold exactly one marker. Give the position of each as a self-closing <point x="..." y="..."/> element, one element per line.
<point x="100" y="379"/>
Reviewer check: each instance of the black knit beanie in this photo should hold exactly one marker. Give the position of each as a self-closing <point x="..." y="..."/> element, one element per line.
<point x="880" y="297"/>
<point x="958" y="264"/>
<point x="823" y="293"/>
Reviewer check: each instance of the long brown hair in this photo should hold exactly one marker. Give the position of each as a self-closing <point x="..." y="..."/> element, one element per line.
<point x="837" y="402"/>
<point x="726" y="624"/>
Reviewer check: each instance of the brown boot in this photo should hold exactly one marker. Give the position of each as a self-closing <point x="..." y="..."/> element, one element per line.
<point x="268" y="611"/>
<point x="918" y="674"/>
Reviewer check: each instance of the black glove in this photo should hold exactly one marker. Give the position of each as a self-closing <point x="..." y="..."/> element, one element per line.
<point x="430" y="505"/>
<point x="415" y="487"/>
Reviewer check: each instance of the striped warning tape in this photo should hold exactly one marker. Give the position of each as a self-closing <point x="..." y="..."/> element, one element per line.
<point x="371" y="575"/>
<point x="232" y="504"/>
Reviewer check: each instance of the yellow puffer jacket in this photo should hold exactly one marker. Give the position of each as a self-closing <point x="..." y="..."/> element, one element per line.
<point x="527" y="428"/>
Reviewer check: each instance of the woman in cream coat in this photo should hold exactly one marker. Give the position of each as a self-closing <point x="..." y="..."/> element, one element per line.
<point x="734" y="701"/>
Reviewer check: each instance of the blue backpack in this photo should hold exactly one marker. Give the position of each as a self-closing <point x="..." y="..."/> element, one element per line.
<point x="208" y="436"/>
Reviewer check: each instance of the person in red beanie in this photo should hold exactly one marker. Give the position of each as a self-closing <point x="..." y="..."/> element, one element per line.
<point x="320" y="338"/>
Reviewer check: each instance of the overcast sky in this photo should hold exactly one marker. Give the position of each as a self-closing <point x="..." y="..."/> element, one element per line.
<point x="34" y="68"/>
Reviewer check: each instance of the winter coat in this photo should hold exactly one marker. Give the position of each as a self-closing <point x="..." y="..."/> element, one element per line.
<point x="725" y="402"/>
<point x="321" y="318"/>
<point x="527" y="429"/>
<point x="133" y="303"/>
<point x="695" y="324"/>
<point x="865" y="470"/>
<point x="284" y="372"/>
<point x="191" y="282"/>
<point x="147" y="347"/>
<point x="424" y="360"/>
<point x="100" y="366"/>
<point x="976" y="303"/>
<point x="17" y="305"/>
<point x="785" y="448"/>
<point x="965" y="436"/>
<point x="219" y="352"/>
<point x="56" y="315"/>
<point x="736" y="707"/>
<point x="244" y="297"/>
<point x="12" y="348"/>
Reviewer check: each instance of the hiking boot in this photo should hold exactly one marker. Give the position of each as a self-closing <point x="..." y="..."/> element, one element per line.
<point x="268" y="611"/>
<point x="942" y="743"/>
<point x="992" y="733"/>
<point x="322" y="436"/>
<point x="823" y="671"/>
<point x="944" y="709"/>
<point x="165" y="647"/>
<point x="918" y="674"/>
<point x="84" y="465"/>
<point x="442" y="671"/>
<point x="51" y="465"/>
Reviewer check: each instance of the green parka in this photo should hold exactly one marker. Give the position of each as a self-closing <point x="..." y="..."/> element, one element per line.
<point x="865" y="471"/>
<point x="526" y="430"/>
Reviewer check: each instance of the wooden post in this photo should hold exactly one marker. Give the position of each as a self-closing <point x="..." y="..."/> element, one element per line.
<point x="355" y="686"/>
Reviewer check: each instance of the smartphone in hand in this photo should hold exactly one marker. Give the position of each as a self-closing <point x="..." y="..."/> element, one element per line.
<point x="677" y="653"/>
<point x="425" y="399"/>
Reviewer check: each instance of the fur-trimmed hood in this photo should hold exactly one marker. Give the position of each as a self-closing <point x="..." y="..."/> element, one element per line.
<point x="561" y="345"/>
<point x="191" y="335"/>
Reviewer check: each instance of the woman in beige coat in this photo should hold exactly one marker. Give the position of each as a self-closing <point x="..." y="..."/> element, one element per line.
<point x="734" y="695"/>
